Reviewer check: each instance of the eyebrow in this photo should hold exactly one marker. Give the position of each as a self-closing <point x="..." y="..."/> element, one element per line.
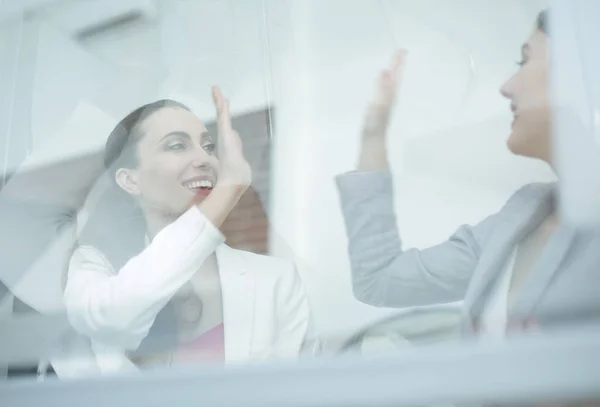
<point x="184" y="134"/>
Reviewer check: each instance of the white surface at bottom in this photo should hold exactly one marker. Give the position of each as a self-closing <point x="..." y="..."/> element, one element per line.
<point x="531" y="370"/>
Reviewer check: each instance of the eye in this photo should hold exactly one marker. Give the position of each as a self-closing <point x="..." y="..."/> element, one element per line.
<point x="209" y="147"/>
<point x="176" y="145"/>
<point x="522" y="62"/>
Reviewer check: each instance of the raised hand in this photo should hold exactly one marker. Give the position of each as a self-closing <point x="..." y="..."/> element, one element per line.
<point x="378" y="112"/>
<point x="373" y="155"/>
<point x="234" y="170"/>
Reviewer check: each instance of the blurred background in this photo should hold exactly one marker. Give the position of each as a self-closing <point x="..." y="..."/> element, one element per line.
<point x="299" y="74"/>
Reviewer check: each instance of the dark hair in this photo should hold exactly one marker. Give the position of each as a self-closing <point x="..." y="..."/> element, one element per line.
<point x="116" y="225"/>
<point x="120" y="148"/>
<point x="542" y="21"/>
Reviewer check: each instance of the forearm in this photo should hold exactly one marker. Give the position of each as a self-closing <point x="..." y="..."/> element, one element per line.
<point x="124" y="303"/>
<point x="383" y="274"/>
<point x="373" y="155"/>
<point x="373" y="239"/>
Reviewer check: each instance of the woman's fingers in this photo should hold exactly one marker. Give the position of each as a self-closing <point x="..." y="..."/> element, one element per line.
<point x="222" y="107"/>
<point x="398" y="60"/>
<point x="233" y="167"/>
<point x="385" y="93"/>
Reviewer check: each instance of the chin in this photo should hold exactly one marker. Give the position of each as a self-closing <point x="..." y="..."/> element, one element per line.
<point x="519" y="150"/>
<point x="518" y="144"/>
<point x="529" y="150"/>
<point x="512" y="144"/>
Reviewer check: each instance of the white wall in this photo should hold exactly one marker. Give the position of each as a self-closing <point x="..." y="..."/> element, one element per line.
<point x="447" y="145"/>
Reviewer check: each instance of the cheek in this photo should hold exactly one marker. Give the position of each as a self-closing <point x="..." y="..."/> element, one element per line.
<point x="535" y="121"/>
<point x="536" y="88"/>
<point x="160" y="174"/>
<point x="530" y="135"/>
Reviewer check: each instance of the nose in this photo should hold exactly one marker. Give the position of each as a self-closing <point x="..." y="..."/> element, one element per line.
<point x="203" y="160"/>
<point x="506" y="89"/>
<point x="204" y="167"/>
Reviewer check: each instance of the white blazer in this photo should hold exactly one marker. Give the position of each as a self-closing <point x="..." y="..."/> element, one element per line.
<point x="266" y="312"/>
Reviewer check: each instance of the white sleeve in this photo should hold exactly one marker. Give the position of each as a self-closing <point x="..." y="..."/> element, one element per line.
<point x="120" y="307"/>
<point x="296" y="332"/>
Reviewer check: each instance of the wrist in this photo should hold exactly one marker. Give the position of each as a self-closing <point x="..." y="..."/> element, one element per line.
<point x="221" y="201"/>
<point x="231" y="188"/>
<point x="374" y="141"/>
<point x="373" y="155"/>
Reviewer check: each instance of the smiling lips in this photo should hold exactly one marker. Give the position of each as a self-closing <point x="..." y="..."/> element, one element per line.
<point x="513" y="109"/>
<point x="199" y="187"/>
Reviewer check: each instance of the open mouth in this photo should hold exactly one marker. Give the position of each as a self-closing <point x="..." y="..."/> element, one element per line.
<point x="199" y="187"/>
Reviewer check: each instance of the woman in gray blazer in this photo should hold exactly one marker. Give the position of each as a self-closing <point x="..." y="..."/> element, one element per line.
<point x="517" y="267"/>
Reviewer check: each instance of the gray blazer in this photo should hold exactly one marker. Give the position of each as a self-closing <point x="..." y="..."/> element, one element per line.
<point x="563" y="288"/>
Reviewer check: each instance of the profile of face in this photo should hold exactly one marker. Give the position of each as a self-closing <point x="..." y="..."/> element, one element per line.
<point x="176" y="162"/>
<point x="528" y="91"/>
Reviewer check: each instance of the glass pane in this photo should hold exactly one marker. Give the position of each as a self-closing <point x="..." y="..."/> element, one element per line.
<point x="313" y="209"/>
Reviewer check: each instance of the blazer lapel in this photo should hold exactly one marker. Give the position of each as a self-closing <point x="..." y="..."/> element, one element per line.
<point x="511" y="229"/>
<point x="237" y="287"/>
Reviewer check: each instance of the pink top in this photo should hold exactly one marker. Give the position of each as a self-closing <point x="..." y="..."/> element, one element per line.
<point x="209" y="347"/>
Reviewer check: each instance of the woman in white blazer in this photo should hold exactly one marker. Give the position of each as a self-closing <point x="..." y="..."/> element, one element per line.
<point x="151" y="281"/>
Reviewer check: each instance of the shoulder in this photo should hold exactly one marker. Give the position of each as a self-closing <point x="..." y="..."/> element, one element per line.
<point x="523" y="199"/>
<point x="520" y="203"/>
<point x="531" y="193"/>
<point x="535" y="189"/>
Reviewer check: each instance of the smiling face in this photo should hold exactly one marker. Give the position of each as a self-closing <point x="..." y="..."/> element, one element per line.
<point x="176" y="162"/>
<point x="528" y="91"/>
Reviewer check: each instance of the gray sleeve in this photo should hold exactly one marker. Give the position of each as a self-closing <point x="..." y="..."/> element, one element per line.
<point x="385" y="275"/>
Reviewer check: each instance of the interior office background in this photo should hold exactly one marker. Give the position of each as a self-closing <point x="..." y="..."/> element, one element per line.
<point x="71" y="69"/>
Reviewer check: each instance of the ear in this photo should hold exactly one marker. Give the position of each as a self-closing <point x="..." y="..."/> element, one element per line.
<point x="127" y="179"/>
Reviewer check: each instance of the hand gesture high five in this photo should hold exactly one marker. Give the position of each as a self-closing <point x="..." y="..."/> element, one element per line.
<point x="235" y="175"/>
<point x="234" y="170"/>
<point x="373" y="153"/>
